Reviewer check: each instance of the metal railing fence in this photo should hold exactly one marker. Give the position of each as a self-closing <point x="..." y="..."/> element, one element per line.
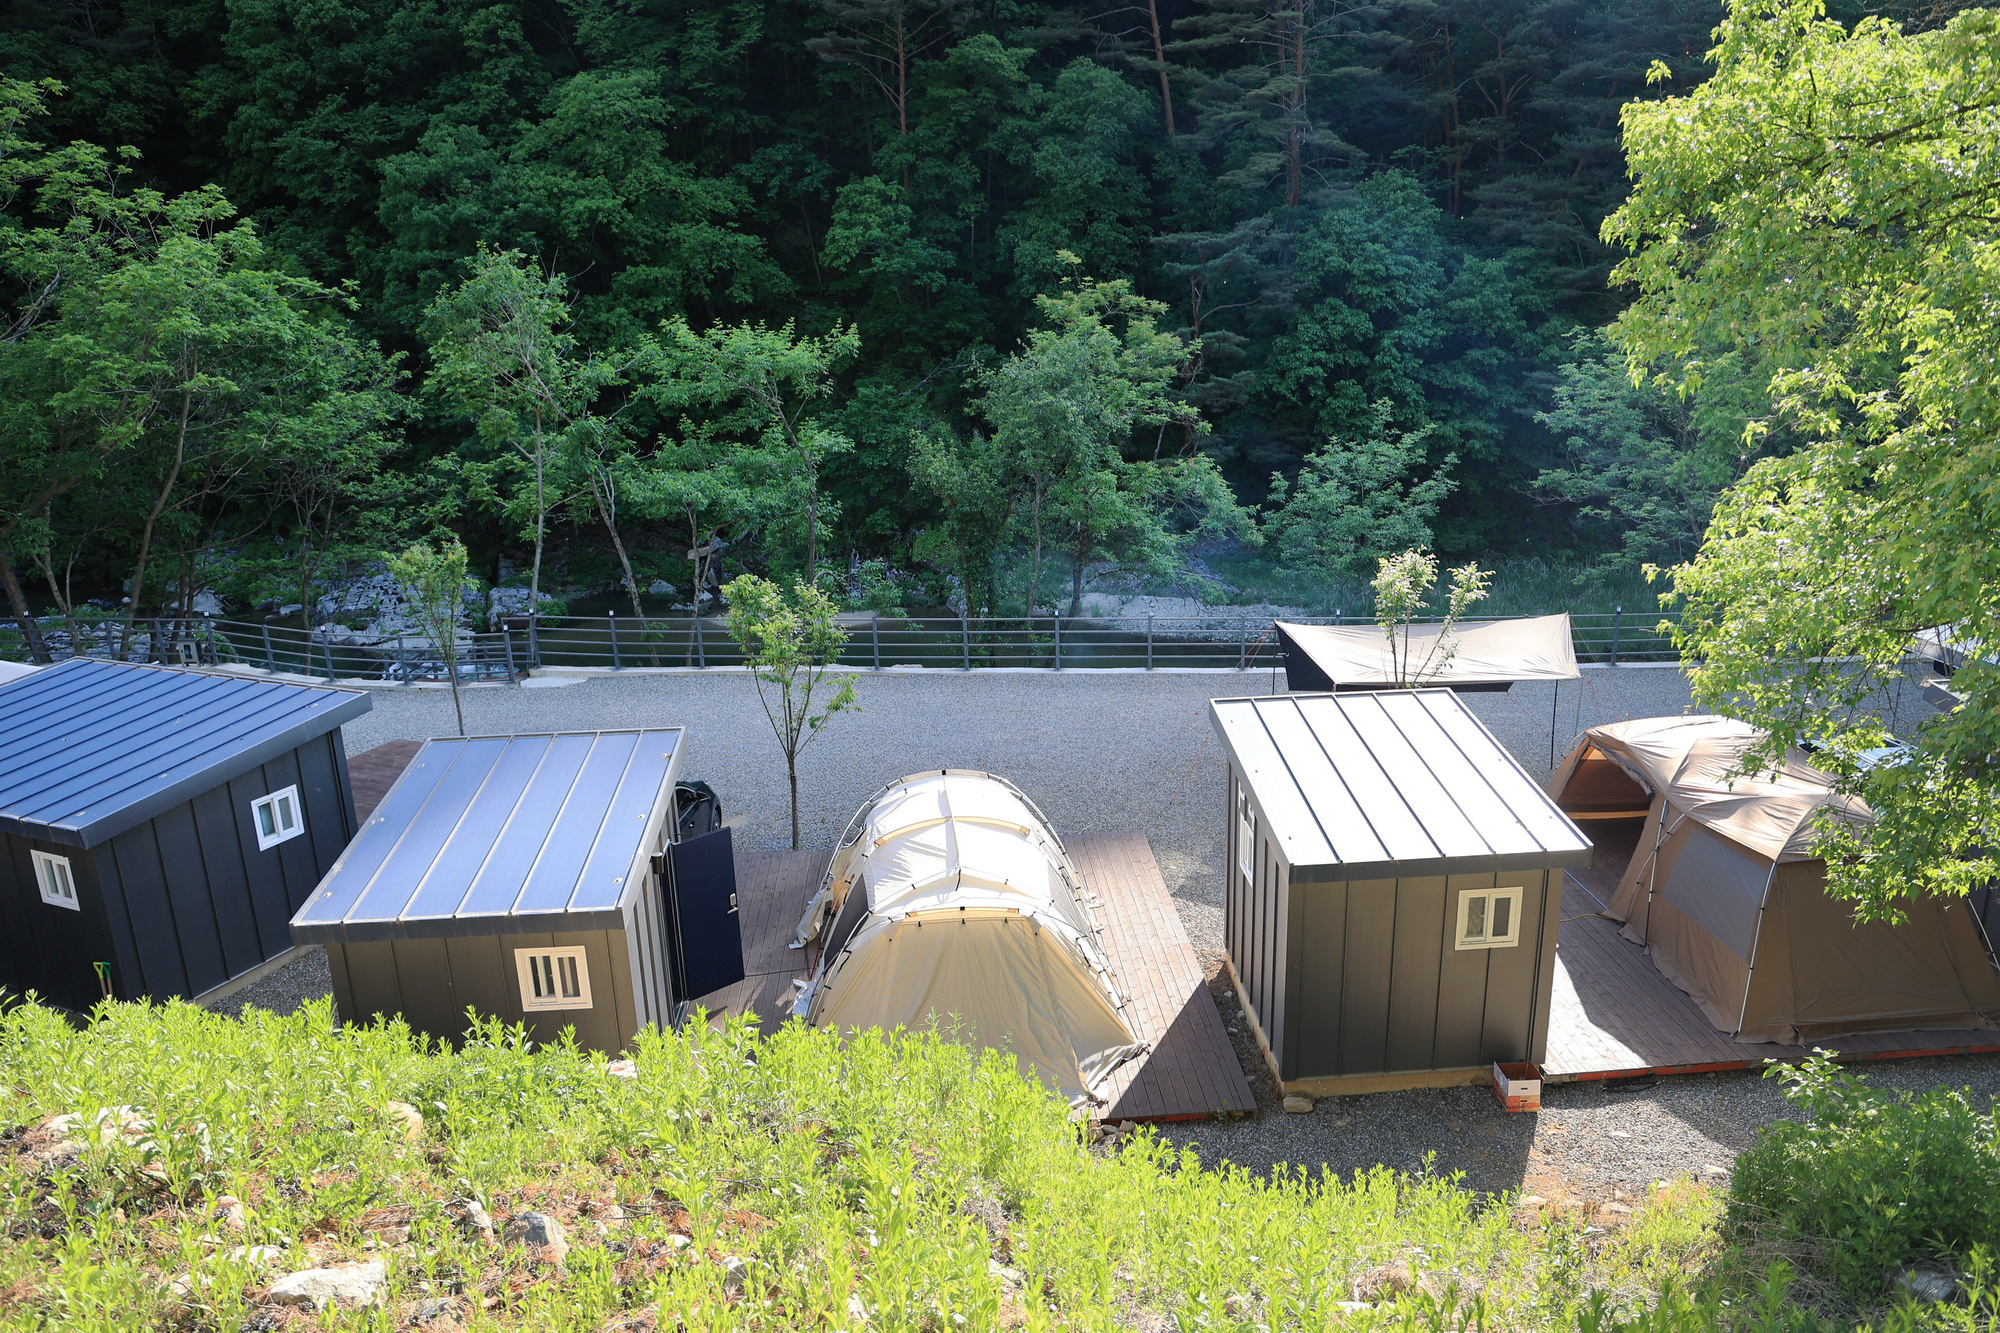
<point x="875" y="641"/>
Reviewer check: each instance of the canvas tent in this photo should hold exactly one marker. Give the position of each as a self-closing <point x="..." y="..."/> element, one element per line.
<point x="1725" y="893"/>
<point x="1485" y="654"/>
<point x="950" y="898"/>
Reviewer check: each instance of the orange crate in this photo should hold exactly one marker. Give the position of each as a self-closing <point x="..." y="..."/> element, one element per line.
<point x="1518" y="1086"/>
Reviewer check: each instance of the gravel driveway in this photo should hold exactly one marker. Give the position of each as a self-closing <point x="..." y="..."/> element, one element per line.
<point x="1135" y="751"/>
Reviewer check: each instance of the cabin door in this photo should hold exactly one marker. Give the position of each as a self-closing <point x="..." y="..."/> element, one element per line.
<point x="706" y="937"/>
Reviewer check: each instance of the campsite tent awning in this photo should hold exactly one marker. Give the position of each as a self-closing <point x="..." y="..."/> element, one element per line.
<point x="1483" y="654"/>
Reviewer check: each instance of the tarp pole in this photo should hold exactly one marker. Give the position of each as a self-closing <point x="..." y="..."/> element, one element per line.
<point x="1756" y="935"/>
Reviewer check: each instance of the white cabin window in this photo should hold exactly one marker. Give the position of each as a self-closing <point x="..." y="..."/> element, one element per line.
<point x="553" y="978"/>
<point x="1489" y="918"/>
<point x="52" y="876"/>
<point x="277" y="817"/>
<point x="1246" y="837"/>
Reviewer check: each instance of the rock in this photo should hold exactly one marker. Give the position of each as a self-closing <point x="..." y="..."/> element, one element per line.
<point x="206" y="603"/>
<point x="1238" y="1306"/>
<point x="317" y="1289"/>
<point x="1933" y="1282"/>
<point x="1010" y="1278"/>
<point x="258" y="1256"/>
<point x="1617" y="1208"/>
<point x="229" y="1210"/>
<point x="736" y="1271"/>
<point x="113" y="1122"/>
<point x="1382" y="1282"/>
<point x="407" y="1118"/>
<point x="1298" y="1104"/>
<point x="678" y="1241"/>
<point x="433" y="1308"/>
<point x="540" y="1234"/>
<point x="474" y="1223"/>
<point x="1530" y="1201"/>
<point x="659" y="588"/>
<point x="622" y="1069"/>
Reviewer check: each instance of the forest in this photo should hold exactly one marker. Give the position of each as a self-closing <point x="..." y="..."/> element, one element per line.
<point x="966" y="302"/>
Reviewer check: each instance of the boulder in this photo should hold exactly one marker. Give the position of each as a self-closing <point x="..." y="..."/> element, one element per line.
<point x="318" y="1289"/>
<point x="1299" y="1104"/>
<point x="540" y="1234"/>
<point x="474" y="1223"/>
<point x="407" y="1118"/>
<point x="229" y="1210"/>
<point x="1931" y="1282"/>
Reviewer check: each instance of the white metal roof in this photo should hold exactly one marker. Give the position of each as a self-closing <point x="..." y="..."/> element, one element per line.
<point x="1391" y="783"/>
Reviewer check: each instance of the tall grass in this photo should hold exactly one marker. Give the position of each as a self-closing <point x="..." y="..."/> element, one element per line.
<point x="789" y="1183"/>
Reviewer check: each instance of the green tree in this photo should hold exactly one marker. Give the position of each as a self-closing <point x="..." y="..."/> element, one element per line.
<point x="768" y="386"/>
<point x="1064" y="406"/>
<point x="434" y="579"/>
<point x="1830" y="197"/>
<point x="504" y="355"/>
<point x="790" y="641"/>
<point x="155" y="351"/>
<point x="1355" y="500"/>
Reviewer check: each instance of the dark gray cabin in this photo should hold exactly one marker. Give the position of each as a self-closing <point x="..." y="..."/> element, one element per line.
<point x="534" y="879"/>
<point x="161" y="825"/>
<point x="1394" y="888"/>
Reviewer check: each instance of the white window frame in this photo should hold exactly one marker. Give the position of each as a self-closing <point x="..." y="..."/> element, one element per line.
<point x="554" y="971"/>
<point x="1246" y="836"/>
<point x="275" y="802"/>
<point x="56" y="880"/>
<point x="1467" y="898"/>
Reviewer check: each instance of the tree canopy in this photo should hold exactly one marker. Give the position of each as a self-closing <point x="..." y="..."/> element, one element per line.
<point x="1830" y="200"/>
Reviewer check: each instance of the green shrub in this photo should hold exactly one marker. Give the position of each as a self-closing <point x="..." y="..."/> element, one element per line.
<point x="1870" y="1180"/>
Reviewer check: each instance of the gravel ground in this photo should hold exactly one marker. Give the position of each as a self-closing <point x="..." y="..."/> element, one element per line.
<point x="1123" y="752"/>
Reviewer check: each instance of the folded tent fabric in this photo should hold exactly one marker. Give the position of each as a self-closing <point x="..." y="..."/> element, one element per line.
<point x="1482" y="652"/>
<point x="1725" y="893"/>
<point x="949" y="900"/>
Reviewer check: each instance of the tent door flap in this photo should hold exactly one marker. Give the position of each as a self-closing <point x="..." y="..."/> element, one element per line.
<point x="705" y="945"/>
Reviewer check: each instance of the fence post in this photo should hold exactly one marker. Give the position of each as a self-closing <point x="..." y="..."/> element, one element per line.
<point x="507" y="646"/>
<point x="327" y="646"/>
<point x="875" y="637"/>
<point x="611" y="619"/>
<point x="534" y="641"/>
<point x="1617" y="623"/>
<point x="700" y="642"/>
<point x="1243" y="647"/>
<point x="965" y="629"/>
<point x="1149" y="641"/>
<point x="1059" y="641"/>
<point x="270" y="662"/>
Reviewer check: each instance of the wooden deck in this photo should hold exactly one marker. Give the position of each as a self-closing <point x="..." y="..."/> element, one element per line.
<point x="1615" y="1016"/>
<point x="372" y="772"/>
<point x="1191" y="1071"/>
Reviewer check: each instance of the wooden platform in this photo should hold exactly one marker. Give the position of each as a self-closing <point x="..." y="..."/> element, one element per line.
<point x="1191" y="1071"/>
<point x="372" y="772"/>
<point x="1615" y="1016"/>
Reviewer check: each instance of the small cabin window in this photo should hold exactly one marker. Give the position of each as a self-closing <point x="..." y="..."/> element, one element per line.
<point x="1246" y="837"/>
<point x="277" y="817"/>
<point x="554" y="978"/>
<point x="1489" y="918"/>
<point x="53" y="877"/>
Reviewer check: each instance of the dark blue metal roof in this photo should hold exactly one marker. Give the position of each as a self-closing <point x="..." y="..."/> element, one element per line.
<point x="490" y="834"/>
<point x="89" y="749"/>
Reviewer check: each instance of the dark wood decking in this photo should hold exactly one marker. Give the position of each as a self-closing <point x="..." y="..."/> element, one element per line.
<point x="372" y="772"/>
<point x="1191" y="1071"/>
<point x="1615" y="1016"/>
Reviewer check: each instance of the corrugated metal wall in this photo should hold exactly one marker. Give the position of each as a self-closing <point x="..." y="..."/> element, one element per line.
<point x="431" y="983"/>
<point x="1254" y="923"/>
<point x="1380" y="987"/>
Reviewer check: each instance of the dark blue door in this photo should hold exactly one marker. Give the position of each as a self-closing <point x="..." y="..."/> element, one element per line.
<point x="707" y="932"/>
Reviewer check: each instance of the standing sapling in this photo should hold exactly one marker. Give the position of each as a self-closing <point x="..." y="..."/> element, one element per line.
<point x="790" y="642"/>
<point x="435" y="580"/>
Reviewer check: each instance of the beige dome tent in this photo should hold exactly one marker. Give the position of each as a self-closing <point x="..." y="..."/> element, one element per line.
<point x="1480" y="655"/>
<point x="949" y="898"/>
<point x="1725" y="893"/>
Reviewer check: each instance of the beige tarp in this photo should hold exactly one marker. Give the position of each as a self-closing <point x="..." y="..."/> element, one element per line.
<point x="1484" y="652"/>
<point x="1727" y="897"/>
<point x="950" y="900"/>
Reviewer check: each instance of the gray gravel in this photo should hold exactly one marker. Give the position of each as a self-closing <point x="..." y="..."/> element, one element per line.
<point x="1095" y="752"/>
<point x="1135" y="752"/>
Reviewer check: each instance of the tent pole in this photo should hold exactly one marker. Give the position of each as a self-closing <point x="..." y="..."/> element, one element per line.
<point x="1756" y="936"/>
<point x="1555" y="697"/>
